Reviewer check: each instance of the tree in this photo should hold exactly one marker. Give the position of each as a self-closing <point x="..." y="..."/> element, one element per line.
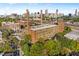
<point x="14" y="42"/>
<point x="67" y="45"/>
<point x="25" y="48"/>
<point x="67" y="29"/>
<point x="73" y="45"/>
<point x="65" y="51"/>
<point x="6" y="33"/>
<point x="1" y="47"/>
<point x="66" y="18"/>
<point x="37" y="49"/>
<point x="7" y="47"/>
<point x="26" y="39"/>
<point x="70" y="15"/>
<point x="41" y="40"/>
<point x="77" y="46"/>
<point x="7" y="19"/>
<point x="76" y="19"/>
<point x="65" y="42"/>
<point x="52" y="47"/>
<point x="25" y="44"/>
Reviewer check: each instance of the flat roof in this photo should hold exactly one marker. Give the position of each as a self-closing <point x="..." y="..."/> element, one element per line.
<point x="43" y="26"/>
<point x="36" y="18"/>
<point x="73" y="35"/>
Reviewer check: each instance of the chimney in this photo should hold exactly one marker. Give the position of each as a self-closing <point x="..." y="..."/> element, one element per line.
<point x="60" y="22"/>
<point x="27" y="13"/>
<point x="28" y="24"/>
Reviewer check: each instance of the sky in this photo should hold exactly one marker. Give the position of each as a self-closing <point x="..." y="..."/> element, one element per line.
<point x="20" y="8"/>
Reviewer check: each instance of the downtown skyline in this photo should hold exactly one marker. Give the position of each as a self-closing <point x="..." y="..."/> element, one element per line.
<point x="19" y="8"/>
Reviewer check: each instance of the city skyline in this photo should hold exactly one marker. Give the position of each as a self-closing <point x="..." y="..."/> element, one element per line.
<point x="19" y="8"/>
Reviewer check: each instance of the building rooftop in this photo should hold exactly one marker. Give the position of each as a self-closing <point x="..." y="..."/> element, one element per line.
<point x="36" y="19"/>
<point x="73" y="35"/>
<point x="43" y="26"/>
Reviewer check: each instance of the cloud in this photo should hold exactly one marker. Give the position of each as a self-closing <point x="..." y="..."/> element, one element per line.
<point x="8" y="10"/>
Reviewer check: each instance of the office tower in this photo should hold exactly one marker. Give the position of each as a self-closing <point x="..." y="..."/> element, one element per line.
<point x="41" y="16"/>
<point x="46" y="12"/>
<point x="35" y="14"/>
<point x="56" y="11"/>
<point x="76" y="12"/>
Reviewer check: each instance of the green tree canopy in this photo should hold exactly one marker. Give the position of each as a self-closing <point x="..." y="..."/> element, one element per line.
<point x="37" y="49"/>
<point x="52" y="47"/>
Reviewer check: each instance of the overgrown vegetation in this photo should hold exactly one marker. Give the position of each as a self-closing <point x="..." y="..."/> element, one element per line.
<point x="10" y="42"/>
<point x="53" y="47"/>
<point x="59" y="45"/>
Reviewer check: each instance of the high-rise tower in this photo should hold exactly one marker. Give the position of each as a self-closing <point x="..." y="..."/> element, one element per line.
<point x="76" y="12"/>
<point x="57" y="12"/>
<point x="41" y="16"/>
<point x="46" y="12"/>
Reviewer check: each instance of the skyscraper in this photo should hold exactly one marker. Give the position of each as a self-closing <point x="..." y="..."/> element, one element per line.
<point x="76" y="12"/>
<point x="46" y="12"/>
<point x="41" y="14"/>
<point x="56" y="11"/>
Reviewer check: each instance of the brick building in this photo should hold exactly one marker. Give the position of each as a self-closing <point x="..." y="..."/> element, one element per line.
<point x="44" y="31"/>
<point x="11" y="25"/>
